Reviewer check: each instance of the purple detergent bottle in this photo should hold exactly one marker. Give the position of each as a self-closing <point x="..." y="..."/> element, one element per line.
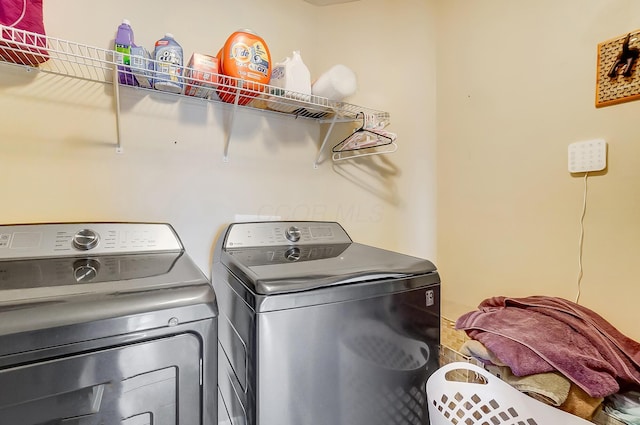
<point x="123" y="44"/>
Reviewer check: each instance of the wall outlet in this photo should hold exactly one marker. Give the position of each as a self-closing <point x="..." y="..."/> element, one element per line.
<point x="590" y="155"/>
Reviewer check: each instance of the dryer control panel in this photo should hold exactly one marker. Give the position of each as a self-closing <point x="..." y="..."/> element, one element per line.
<point x="276" y="233"/>
<point x="73" y="239"/>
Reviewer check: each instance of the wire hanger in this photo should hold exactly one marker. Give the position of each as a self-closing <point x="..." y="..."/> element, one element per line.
<point x="367" y="140"/>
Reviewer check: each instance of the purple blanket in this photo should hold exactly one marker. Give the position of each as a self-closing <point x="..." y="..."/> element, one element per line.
<point x="541" y="334"/>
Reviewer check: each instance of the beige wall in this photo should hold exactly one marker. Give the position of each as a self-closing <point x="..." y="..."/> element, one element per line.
<point x="57" y="135"/>
<point x="516" y="86"/>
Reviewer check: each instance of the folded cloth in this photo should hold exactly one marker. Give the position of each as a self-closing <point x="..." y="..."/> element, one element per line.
<point x="550" y="388"/>
<point x="580" y="403"/>
<point x="624" y="406"/>
<point x="542" y="334"/>
<point x="477" y="350"/>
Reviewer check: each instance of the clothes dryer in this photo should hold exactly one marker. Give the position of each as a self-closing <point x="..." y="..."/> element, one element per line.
<point x="104" y="324"/>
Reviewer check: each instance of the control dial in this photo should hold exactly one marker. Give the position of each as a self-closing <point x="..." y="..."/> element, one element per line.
<point x="85" y="270"/>
<point x="292" y="254"/>
<point x="293" y="234"/>
<point x="85" y="240"/>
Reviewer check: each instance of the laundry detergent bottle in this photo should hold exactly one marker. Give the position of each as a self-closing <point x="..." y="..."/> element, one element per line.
<point x="169" y="65"/>
<point x="293" y="81"/>
<point x="294" y="77"/>
<point x="245" y="56"/>
<point x="123" y="44"/>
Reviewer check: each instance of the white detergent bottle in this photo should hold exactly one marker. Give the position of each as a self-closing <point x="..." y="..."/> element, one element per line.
<point x="298" y="78"/>
<point x="294" y="79"/>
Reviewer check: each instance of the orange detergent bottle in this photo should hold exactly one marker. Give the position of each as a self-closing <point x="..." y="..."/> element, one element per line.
<point x="245" y="56"/>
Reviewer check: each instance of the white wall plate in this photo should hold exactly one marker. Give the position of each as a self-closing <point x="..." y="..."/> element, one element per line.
<point x="590" y="155"/>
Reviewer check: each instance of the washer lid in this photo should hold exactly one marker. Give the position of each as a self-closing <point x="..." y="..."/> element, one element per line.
<point x="274" y="271"/>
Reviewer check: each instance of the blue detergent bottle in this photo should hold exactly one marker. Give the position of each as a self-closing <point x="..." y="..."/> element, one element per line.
<point x="169" y="59"/>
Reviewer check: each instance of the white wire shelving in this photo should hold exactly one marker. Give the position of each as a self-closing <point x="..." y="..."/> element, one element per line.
<point x="80" y="61"/>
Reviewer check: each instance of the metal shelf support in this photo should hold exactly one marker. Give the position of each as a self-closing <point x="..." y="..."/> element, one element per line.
<point x="324" y="142"/>
<point x="116" y="95"/>
<point x="232" y="118"/>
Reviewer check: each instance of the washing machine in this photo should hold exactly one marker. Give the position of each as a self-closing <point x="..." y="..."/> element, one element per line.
<point x="104" y="323"/>
<point x="315" y="329"/>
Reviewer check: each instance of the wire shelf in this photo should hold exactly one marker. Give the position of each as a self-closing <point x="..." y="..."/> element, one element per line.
<point x="57" y="56"/>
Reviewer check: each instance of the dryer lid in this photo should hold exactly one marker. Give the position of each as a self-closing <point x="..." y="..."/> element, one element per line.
<point x="269" y="263"/>
<point x="65" y="273"/>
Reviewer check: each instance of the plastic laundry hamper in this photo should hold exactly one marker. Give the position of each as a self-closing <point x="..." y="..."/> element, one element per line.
<point x="492" y="402"/>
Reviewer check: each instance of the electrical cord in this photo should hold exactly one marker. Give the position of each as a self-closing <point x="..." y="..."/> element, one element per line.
<point x="581" y="240"/>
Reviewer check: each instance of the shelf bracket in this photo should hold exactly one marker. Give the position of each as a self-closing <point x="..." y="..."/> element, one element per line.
<point x="116" y="94"/>
<point x="227" y="141"/>
<point x="324" y="142"/>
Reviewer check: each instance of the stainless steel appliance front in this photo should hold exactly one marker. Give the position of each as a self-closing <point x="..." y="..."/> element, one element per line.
<point x="317" y="330"/>
<point x="104" y="323"/>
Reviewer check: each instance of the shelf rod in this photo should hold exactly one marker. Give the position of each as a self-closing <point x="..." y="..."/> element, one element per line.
<point x="324" y="142"/>
<point x="116" y="94"/>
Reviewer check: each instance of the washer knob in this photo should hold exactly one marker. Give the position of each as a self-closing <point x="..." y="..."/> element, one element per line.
<point x="293" y="234"/>
<point x="85" y="270"/>
<point x="85" y="240"/>
<point x="292" y="254"/>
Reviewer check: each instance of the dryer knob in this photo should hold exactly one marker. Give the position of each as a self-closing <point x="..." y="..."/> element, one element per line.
<point x="293" y="234"/>
<point x="85" y="240"/>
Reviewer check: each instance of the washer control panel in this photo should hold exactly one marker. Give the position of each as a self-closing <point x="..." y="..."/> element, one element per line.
<point x="74" y="239"/>
<point x="275" y="233"/>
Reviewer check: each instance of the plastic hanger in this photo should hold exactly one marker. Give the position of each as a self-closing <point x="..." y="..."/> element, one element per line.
<point x="365" y="141"/>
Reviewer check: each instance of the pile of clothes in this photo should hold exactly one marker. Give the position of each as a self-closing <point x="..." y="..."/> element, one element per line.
<point x="558" y="352"/>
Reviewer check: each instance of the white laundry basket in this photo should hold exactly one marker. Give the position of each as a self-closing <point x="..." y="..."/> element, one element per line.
<point x="491" y="402"/>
